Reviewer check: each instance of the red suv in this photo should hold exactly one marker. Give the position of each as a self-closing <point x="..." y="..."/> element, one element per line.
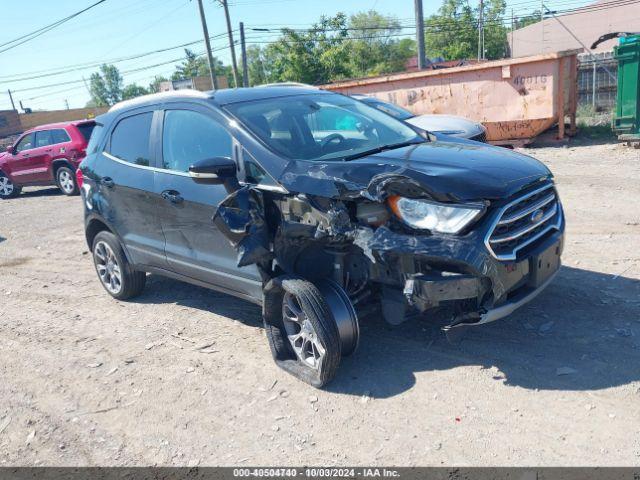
<point x="45" y="155"/>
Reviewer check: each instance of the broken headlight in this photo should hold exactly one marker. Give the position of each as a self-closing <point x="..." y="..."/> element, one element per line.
<point x="438" y="217"/>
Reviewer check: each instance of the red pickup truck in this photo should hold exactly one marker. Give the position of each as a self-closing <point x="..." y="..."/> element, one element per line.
<point x="45" y="155"/>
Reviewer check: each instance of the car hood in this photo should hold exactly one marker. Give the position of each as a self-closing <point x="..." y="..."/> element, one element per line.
<point x="448" y="124"/>
<point x="446" y="171"/>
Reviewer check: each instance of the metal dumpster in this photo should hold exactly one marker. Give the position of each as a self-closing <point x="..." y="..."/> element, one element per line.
<point x="516" y="98"/>
<point x="626" y="122"/>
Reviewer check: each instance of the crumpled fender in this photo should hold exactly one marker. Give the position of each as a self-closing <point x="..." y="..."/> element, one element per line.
<point x="240" y="218"/>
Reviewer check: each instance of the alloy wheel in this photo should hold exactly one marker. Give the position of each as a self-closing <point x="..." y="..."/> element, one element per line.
<point x="66" y="181"/>
<point x="108" y="267"/>
<point x="6" y="186"/>
<point x="301" y="333"/>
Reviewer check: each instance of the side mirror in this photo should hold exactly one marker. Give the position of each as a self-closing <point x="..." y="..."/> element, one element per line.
<point x="215" y="170"/>
<point x="11" y="149"/>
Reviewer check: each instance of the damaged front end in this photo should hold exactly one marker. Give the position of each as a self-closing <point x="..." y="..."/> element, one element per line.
<point x="335" y="222"/>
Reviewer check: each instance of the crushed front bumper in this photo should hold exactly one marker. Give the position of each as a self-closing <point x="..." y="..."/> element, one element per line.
<point x="462" y="270"/>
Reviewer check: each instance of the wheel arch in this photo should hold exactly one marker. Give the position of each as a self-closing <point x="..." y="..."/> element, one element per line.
<point x="60" y="162"/>
<point x="95" y="225"/>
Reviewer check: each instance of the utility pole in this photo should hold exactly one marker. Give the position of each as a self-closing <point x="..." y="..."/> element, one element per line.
<point x="484" y="53"/>
<point x="243" y="50"/>
<point x="66" y="103"/>
<point x="481" y="31"/>
<point x="541" y="26"/>
<point x="205" y="31"/>
<point x="422" y="57"/>
<point x="13" y="105"/>
<point x="234" y="64"/>
<point x="513" y="27"/>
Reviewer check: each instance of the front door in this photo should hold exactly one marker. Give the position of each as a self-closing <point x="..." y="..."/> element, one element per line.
<point x="125" y="183"/>
<point x="22" y="162"/>
<point x="194" y="246"/>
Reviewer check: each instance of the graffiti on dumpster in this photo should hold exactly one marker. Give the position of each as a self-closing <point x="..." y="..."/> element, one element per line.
<point x="530" y="80"/>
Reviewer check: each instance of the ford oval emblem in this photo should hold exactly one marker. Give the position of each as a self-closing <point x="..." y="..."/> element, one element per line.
<point x="537" y="216"/>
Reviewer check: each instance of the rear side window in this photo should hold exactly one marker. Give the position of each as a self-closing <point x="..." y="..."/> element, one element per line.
<point x="94" y="141"/>
<point x="43" y="138"/>
<point x="86" y="129"/>
<point x="59" y="135"/>
<point x="130" y="139"/>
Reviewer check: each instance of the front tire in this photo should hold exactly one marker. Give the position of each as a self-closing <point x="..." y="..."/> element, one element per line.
<point x="7" y="188"/>
<point x="116" y="274"/>
<point x="302" y="333"/>
<point x="66" y="181"/>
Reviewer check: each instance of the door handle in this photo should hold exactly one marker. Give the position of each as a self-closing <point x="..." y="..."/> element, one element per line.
<point x="107" y="182"/>
<point x="172" y="196"/>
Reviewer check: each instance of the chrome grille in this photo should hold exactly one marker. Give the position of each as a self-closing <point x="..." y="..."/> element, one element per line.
<point x="523" y="221"/>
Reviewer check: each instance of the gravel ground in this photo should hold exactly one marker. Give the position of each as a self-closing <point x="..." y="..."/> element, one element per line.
<point x="183" y="375"/>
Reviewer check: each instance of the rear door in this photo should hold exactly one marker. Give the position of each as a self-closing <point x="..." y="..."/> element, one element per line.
<point x="62" y="147"/>
<point x="194" y="246"/>
<point x="41" y="156"/>
<point x="125" y="187"/>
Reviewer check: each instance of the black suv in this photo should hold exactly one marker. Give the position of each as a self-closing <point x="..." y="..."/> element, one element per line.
<point x="319" y="208"/>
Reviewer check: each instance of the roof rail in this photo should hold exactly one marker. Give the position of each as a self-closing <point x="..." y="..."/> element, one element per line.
<point x="288" y="84"/>
<point x="187" y="93"/>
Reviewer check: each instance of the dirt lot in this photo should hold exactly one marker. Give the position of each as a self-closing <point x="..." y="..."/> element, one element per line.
<point x="183" y="376"/>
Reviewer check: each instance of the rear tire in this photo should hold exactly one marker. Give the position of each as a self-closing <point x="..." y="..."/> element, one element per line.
<point x="116" y="274"/>
<point x="302" y="333"/>
<point x="66" y="181"/>
<point x="7" y="188"/>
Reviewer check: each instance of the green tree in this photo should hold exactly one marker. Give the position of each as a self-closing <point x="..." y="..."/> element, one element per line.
<point x="105" y="86"/>
<point x="257" y="65"/>
<point x="495" y="31"/>
<point x="334" y="48"/>
<point x="372" y="48"/>
<point x="132" y="91"/>
<point x="317" y="55"/>
<point x="452" y="33"/>
<point x="527" y="20"/>
<point x="154" y="86"/>
<point x="191" y="66"/>
<point x="198" y="66"/>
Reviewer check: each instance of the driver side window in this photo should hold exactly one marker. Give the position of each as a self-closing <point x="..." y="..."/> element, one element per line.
<point x="25" y="144"/>
<point x="189" y="136"/>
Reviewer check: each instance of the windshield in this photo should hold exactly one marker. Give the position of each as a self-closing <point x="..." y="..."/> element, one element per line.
<point x="393" y="110"/>
<point x="321" y="126"/>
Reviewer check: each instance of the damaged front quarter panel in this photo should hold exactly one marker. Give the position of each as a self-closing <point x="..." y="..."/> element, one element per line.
<point x="332" y="222"/>
<point x="241" y="218"/>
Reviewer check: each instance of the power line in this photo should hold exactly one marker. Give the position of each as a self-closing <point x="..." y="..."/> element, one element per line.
<point x="41" y="31"/>
<point x="140" y="69"/>
<point x="83" y="66"/>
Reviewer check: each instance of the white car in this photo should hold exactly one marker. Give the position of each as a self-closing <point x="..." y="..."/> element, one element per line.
<point x="444" y="124"/>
